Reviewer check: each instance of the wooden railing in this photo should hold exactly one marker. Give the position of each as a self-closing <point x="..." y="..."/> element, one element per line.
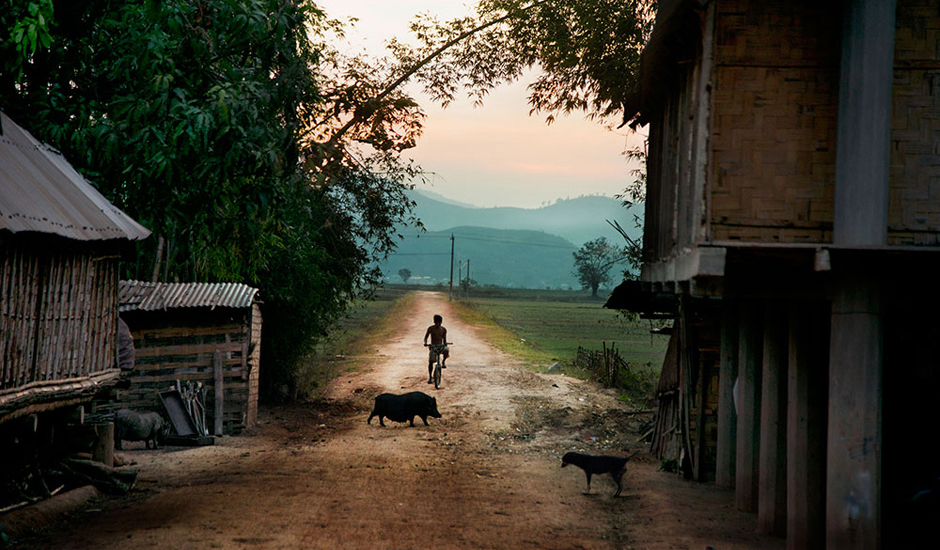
<point x="608" y="367"/>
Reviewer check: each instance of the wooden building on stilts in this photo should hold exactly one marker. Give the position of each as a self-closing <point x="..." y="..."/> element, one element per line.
<point x="60" y="246"/>
<point x="794" y="206"/>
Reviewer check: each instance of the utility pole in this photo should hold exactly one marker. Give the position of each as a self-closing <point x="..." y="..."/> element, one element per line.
<point x="468" y="277"/>
<point x="450" y="292"/>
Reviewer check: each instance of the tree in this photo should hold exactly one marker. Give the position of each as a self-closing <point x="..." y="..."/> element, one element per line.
<point x="405" y="274"/>
<point x="593" y="262"/>
<point x="467" y="283"/>
<point x="204" y="121"/>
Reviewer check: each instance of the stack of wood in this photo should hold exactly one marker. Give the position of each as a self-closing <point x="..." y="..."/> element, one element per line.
<point x="106" y="478"/>
<point x="193" y="394"/>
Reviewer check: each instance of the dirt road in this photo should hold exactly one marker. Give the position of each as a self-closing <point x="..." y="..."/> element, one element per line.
<point x="486" y="475"/>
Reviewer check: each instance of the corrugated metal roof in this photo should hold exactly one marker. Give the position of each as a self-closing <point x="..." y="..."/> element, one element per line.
<point x="144" y="296"/>
<point x="40" y="191"/>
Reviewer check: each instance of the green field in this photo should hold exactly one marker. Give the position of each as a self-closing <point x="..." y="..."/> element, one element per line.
<point x="546" y="327"/>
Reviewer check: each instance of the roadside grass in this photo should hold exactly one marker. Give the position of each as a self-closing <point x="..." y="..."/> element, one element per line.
<point x="352" y="341"/>
<point x="541" y="329"/>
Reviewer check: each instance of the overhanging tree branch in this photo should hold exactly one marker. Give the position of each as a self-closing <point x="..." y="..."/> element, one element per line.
<point x="357" y="117"/>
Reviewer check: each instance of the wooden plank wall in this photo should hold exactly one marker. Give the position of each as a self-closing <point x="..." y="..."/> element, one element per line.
<point x="914" y="199"/>
<point x="183" y="351"/>
<point x="58" y="316"/>
<point x="254" y="366"/>
<point x="774" y="120"/>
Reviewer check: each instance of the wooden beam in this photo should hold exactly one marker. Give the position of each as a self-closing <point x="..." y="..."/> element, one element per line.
<point x="863" y="139"/>
<point x="772" y="471"/>
<point x="727" y="418"/>
<point x="853" y="457"/>
<point x="219" y="392"/>
<point x="700" y="261"/>
<point x="807" y="392"/>
<point x="750" y="355"/>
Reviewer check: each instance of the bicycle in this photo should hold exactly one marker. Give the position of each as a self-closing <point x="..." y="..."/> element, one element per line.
<point x="438" y="350"/>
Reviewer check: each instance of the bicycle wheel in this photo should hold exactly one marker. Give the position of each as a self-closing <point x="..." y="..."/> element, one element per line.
<point x="437" y="374"/>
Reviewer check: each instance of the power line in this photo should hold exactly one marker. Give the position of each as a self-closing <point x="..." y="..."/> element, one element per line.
<point x="421" y="253"/>
<point x="472" y="237"/>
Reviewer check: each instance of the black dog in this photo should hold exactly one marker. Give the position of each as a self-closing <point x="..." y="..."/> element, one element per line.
<point x="616" y="466"/>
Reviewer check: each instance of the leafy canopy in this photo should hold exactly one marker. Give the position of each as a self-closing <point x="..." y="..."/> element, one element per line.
<point x="594" y="260"/>
<point x="205" y="121"/>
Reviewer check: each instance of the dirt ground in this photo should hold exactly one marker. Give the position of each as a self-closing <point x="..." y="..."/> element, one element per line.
<point x="486" y="475"/>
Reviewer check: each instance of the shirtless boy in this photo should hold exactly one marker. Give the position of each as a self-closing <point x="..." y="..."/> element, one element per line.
<point x="438" y="335"/>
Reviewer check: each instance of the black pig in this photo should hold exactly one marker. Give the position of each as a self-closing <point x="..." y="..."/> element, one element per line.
<point x="134" y="426"/>
<point x="403" y="407"/>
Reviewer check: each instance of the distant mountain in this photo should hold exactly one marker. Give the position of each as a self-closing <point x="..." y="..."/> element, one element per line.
<point x="577" y="220"/>
<point x="511" y="258"/>
<point x="441" y="198"/>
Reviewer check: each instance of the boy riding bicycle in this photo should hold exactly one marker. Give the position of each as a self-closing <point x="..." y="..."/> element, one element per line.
<point x="438" y="335"/>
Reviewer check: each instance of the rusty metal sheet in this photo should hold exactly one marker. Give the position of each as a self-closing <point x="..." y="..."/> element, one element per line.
<point x="41" y="192"/>
<point x="145" y="296"/>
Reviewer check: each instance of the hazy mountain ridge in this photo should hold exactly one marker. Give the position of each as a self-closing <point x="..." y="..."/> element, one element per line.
<point x="577" y="220"/>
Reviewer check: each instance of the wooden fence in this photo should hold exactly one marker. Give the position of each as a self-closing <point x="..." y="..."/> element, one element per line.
<point x="608" y="367"/>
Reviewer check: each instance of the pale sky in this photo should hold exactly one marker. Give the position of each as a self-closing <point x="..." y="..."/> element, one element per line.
<point x="494" y="155"/>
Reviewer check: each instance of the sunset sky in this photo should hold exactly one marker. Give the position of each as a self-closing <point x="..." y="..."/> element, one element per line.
<point x="494" y="155"/>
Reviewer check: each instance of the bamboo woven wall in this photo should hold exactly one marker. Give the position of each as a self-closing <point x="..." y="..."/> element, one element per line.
<point x="58" y="317"/>
<point x="914" y="201"/>
<point x="774" y="121"/>
<point x="179" y="345"/>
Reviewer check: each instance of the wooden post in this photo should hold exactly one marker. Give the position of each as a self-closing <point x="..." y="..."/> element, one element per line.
<point x="772" y="471"/>
<point x="687" y="362"/>
<point x="750" y="354"/>
<point x="853" y="457"/>
<point x="727" y="417"/>
<point x="863" y="139"/>
<point x="219" y="391"/>
<point x="860" y="218"/>
<point x="103" y="449"/>
<point x="450" y="287"/>
<point x="807" y="394"/>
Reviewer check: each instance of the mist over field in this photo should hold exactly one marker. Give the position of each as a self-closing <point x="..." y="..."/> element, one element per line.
<point x="510" y="247"/>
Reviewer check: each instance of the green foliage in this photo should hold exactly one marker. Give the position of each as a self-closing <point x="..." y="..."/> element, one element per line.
<point x="216" y="124"/>
<point x="588" y="52"/>
<point x="352" y="342"/>
<point x="593" y="261"/>
<point x="467" y="283"/>
<point x="634" y="193"/>
<point x="30" y="32"/>
<point x="405" y="274"/>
